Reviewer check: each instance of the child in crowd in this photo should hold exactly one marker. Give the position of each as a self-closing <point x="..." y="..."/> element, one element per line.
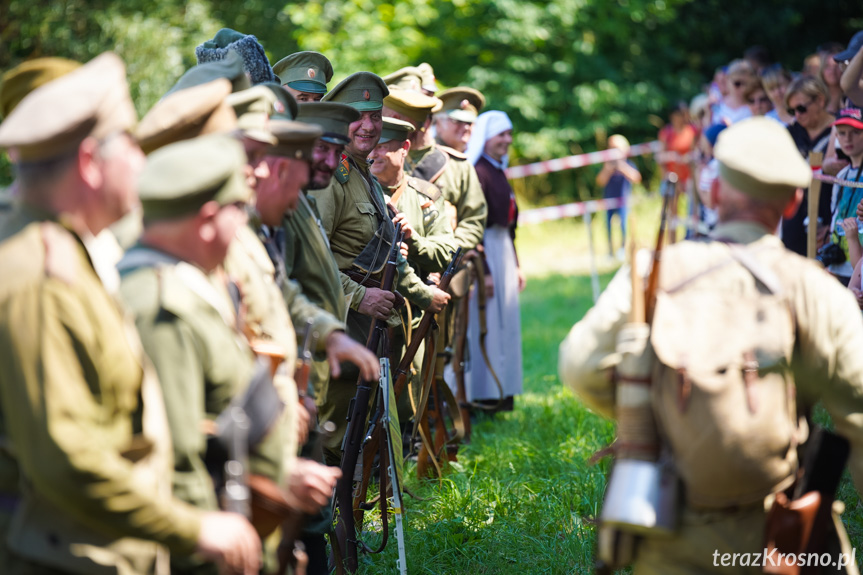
<point x="617" y="178"/>
<point x="849" y="131"/>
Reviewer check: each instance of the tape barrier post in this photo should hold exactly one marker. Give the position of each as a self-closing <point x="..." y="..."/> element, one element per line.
<point x="815" y="159"/>
<point x="594" y="273"/>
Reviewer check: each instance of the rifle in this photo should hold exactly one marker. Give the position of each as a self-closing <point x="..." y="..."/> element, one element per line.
<point x="355" y="434"/>
<point x="802" y="524"/>
<point x="667" y="190"/>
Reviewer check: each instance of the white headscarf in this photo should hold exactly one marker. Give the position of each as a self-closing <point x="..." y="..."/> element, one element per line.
<point x="488" y="125"/>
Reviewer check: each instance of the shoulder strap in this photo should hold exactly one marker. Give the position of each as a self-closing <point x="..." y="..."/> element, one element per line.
<point x="427" y="189"/>
<point x="61" y="259"/>
<point x="431" y="166"/>
<point x="453" y="152"/>
<point x="343" y="172"/>
<point x="742" y="255"/>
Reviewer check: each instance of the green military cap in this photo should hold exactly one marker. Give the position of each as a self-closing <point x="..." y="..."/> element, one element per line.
<point x="415" y="105"/>
<point x="428" y="80"/>
<point x="92" y="101"/>
<point x="407" y="78"/>
<point x="254" y="58"/>
<point x="181" y="177"/>
<point x="362" y="90"/>
<point x="395" y="129"/>
<point x="187" y="114"/>
<point x="295" y="139"/>
<point x="333" y="118"/>
<point x="231" y="67"/>
<point x="26" y="77"/>
<point x="305" y="72"/>
<point x="758" y="157"/>
<point x="254" y="108"/>
<point x="285" y="105"/>
<point x="462" y="103"/>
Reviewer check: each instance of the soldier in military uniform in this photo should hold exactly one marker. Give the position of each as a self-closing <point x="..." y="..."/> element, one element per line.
<point x="81" y="407"/>
<point x="454" y="121"/>
<point x="355" y="218"/>
<point x="305" y="75"/>
<point x="449" y="170"/>
<point x="760" y="177"/>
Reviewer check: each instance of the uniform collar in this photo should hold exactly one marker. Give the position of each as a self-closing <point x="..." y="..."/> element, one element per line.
<point x="743" y="232"/>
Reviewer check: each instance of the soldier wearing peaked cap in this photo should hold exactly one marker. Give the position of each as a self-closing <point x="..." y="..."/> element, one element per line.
<point x="285" y="105"/>
<point x="17" y="83"/>
<point x="760" y="179"/>
<point x="96" y="498"/>
<point x="421" y="211"/>
<point x="305" y="75"/>
<point x="442" y="166"/>
<point x="454" y="121"/>
<point x="356" y="220"/>
<point x="407" y="78"/>
<point x="229" y="67"/>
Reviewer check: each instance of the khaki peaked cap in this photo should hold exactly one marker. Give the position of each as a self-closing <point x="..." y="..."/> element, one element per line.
<point x="27" y="76"/>
<point x="305" y="72"/>
<point x="395" y="129"/>
<point x="428" y="80"/>
<point x="415" y="105"/>
<point x="334" y="119"/>
<point x="186" y="114"/>
<point x="362" y="90"/>
<point x="181" y="177"/>
<point x="285" y="106"/>
<point x="254" y="108"/>
<point x="462" y="103"/>
<point x="295" y="139"/>
<point x="407" y="78"/>
<point x="758" y="157"/>
<point x="92" y="101"/>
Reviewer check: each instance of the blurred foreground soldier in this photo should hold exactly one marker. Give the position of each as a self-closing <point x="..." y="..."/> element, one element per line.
<point x="356" y="220"/>
<point x="255" y="61"/>
<point x="454" y="122"/>
<point x="230" y="67"/>
<point x="726" y="393"/>
<point x="82" y="412"/>
<point x="15" y="85"/>
<point x="305" y="75"/>
<point x="193" y="196"/>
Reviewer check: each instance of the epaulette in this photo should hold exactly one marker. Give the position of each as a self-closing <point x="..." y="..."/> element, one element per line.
<point x="61" y="253"/>
<point x="427" y="189"/>
<point x="453" y="152"/>
<point x="343" y="172"/>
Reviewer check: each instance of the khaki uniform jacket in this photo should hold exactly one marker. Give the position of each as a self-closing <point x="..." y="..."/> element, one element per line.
<point x="422" y="203"/>
<point x="265" y="318"/>
<point x="460" y="186"/>
<point x="350" y="215"/>
<point x="72" y="378"/>
<point x="309" y="261"/>
<point x="186" y="324"/>
<point x="827" y="363"/>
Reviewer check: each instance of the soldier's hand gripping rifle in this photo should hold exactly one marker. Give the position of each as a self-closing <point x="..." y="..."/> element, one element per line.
<point x="346" y="533"/>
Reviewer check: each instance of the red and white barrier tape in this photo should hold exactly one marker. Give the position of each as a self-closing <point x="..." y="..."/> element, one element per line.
<point x="830" y="179"/>
<point x="539" y="215"/>
<point x="581" y="160"/>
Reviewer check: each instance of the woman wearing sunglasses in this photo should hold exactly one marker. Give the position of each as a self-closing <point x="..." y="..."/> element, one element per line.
<point x="734" y="107"/>
<point x="806" y="100"/>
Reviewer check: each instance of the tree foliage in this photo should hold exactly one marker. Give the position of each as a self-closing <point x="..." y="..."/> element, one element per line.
<point x="568" y="72"/>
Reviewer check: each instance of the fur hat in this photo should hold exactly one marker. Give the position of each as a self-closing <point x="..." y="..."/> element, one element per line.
<point x="255" y="61"/>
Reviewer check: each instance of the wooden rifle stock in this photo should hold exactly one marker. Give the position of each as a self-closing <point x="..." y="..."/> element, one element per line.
<point x="404" y="368"/>
<point x="356" y="431"/>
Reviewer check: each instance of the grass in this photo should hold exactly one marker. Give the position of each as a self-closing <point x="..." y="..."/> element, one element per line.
<point x="517" y="499"/>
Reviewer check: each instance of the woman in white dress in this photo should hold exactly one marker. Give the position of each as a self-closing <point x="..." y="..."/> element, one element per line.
<point x="487" y="150"/>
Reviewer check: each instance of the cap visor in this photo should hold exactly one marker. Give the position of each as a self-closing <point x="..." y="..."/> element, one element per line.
<point x="336" y="139"/>
<point x="463" y="116"/>
<point x="853" y="122"/>
<point x="366" y="106"/>
<point x="309" y="86"/>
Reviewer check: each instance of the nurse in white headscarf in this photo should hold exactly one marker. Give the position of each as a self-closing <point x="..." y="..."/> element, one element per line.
<point x="488" y="150"/>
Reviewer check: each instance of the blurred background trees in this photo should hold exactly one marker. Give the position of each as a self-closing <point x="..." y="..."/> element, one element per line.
<point x="569" y="72"/>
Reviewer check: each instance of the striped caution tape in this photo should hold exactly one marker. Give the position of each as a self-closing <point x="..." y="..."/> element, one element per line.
<point x="547" y="214"/>
<point x="581" y="160"/>
<point x="830" y="179"/>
